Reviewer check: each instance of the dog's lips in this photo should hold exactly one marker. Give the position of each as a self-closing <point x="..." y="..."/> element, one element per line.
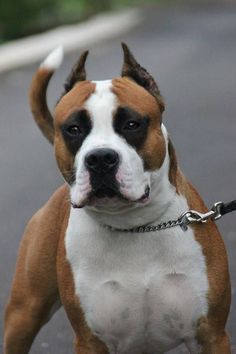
<point x="146" y="195"/>
<point x="108" y="195"/>
<point x="103" y="193"/>
<point x="144" y="198"/>
<point x="78" y="205"/>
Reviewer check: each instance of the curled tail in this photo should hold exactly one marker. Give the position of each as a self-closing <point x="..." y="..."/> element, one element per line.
<point x="38" y="93"/>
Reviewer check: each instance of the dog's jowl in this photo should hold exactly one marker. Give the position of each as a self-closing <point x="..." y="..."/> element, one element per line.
<point x="124" y="291"/>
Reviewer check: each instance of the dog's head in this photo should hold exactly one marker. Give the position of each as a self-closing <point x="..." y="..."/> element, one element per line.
<point x="107" y="134"/>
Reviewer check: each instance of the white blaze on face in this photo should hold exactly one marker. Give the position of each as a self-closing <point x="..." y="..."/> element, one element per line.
<point x="132" y="179"/>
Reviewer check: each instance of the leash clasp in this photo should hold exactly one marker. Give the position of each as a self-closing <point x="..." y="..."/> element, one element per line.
<point x="192" y="216"/>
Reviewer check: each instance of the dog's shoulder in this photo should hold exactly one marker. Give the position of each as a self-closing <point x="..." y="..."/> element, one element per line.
<point x="58" y="204"/>
<point x="45" y="227"/>
<point x="54" y="209"/>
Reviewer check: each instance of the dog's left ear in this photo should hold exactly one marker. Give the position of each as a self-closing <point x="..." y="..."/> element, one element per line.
<point x="131" y="68"/>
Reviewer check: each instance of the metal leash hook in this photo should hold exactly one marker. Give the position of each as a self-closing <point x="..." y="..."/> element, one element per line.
<point x="192" y="216"/>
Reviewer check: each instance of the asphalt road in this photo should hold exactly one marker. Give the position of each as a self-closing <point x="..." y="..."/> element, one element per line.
<point x="192" y="53"/>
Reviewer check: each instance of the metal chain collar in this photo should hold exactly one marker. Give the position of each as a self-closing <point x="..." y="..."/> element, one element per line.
<point x="188" y="217"/>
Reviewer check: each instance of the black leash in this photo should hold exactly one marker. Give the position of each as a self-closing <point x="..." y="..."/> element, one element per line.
<point x="228" y="207"/>
<point x="191" y="216"/>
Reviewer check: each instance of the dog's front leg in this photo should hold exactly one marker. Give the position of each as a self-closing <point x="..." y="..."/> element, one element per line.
<point x="34" y="295"/>
<point x="94" y="346"/>
<point x="218" y="344"/>
<point x="23" y="320"/>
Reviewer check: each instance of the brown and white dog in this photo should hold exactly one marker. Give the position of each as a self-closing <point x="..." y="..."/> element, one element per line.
<point x="123" y="292"/>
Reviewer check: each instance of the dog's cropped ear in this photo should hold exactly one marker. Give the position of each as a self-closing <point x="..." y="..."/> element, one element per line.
<point x="38" y="93"/>
<point x="132" y="69"/>
<point x="78" y="73"/>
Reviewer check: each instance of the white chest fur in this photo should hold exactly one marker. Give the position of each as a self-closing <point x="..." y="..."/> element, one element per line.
<point x="140" y="293"/>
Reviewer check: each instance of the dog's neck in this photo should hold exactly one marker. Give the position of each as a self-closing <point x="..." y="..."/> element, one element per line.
<point x="163" y="195"/>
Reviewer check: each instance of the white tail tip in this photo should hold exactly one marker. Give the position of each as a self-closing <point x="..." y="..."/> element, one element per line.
<point x="54" y="59"/>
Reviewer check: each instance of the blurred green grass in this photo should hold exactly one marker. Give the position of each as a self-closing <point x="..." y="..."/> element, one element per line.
<point x="19" y="18"/>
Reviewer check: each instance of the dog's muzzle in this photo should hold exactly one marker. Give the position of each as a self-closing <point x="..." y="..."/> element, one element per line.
<point x="102" y="165"/>
<point x="105" y="184"/>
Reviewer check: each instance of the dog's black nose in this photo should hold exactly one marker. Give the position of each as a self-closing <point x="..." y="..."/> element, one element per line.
<point x="102" y="160"/>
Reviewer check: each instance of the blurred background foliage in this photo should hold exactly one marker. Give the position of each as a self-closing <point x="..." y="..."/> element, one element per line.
<point x="19" y="18"/>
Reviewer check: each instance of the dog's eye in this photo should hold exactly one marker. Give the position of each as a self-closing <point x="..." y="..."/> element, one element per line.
<point x="74" y="130"/>
<point x="131" y="125"/>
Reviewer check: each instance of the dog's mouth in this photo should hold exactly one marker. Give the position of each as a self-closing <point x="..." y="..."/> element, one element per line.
<point x="105" y="192"/>
<point x="108" y="194"/>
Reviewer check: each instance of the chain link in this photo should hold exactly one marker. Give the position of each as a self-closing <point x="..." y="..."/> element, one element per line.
<point x="188" y="217"/>
<point x="162" y="226"/>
